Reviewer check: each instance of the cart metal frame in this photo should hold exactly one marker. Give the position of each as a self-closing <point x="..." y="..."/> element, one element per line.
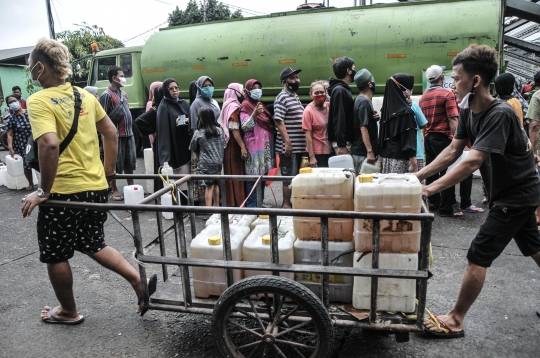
<point x="400" y="325"/>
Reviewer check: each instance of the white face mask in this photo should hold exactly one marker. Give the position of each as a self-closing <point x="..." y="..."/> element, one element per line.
<point x="122" y="81"/>
<point x="36" y="81"/>
<point x="464" y="104"/>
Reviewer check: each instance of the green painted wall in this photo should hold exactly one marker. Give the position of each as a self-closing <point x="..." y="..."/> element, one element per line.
<point x="12" y="76"/>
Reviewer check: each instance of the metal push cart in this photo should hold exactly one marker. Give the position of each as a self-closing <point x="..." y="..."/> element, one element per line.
<point x="268" y="315"/>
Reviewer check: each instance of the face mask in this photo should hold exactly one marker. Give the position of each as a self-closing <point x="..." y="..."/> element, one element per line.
<point x="373" y="86"/>
<point x="15" y="106"/>
<point x="353" y="73"/>
<point x="207" y="92"/>
<point x="464" y="104"/>
<point x="293" y="87"/>
<point x="239" y="95"/>
<point x="256" y="94"/>
<point x="36" y="81"/>
<point x="319" y="99"/>
<point x="122" y="81"/>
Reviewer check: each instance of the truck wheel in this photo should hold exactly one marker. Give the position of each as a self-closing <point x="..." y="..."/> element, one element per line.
<point x="271" y="316"/>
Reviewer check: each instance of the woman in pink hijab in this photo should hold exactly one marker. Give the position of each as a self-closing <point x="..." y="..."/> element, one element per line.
<point x="235" y="151"/>
<point x="151" y="104"/>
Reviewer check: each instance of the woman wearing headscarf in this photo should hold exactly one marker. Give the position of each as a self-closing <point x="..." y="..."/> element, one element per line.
<point x="505" y="86"/>
<point x="259" y="128"/>
<point x="235" y="151"/>
<point x="203" y="90"/>
<point x="173" y="133"/>
<point x="146" y="123"/>
<point x="397" y="136"/>
<point x="517" y="94"/>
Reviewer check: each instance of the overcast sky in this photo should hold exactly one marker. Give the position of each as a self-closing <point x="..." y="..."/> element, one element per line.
<point x="24" y="22"/>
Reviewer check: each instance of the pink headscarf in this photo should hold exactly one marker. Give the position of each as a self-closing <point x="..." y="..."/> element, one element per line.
<point x="153" y="86"/>
<point x="230" y="105"/>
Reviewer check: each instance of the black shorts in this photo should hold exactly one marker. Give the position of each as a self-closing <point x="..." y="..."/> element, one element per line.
<point x="63" y="230"/>
<point x="290" y="165"/>
<point x="502" y="224"/>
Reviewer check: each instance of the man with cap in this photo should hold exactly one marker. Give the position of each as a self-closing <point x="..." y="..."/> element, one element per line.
<point x="340" y="117"/>
<point x="290" y="140"/>
<point x="441" y="111"/>
<point x="365" y="120"/>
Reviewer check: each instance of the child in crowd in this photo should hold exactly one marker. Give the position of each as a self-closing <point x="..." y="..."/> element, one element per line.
<point x="208" y="145"/>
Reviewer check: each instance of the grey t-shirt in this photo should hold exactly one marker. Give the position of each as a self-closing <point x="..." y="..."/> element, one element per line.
<point x="363" y="117"/>
<point x="210" y="151"/>
<point x="509" y="172"/>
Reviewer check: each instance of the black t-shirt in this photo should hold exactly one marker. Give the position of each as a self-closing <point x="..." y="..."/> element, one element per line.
<point x="363" y="117"/>
<point x="509" y="172"/>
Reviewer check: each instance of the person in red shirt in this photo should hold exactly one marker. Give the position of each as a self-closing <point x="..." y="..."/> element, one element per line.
<point x="441" y="111"/>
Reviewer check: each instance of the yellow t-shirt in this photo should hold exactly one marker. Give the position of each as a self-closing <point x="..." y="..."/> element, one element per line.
<point x="79" y="167"/>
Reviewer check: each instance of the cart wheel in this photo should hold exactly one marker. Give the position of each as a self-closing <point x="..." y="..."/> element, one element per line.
<point x="248" y="327"/>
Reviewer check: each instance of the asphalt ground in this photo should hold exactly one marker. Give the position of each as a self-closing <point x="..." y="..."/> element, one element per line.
<point x="501" y="323"/>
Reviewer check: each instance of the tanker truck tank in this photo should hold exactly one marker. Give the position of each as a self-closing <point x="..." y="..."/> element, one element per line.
<point x="386" y="39"/>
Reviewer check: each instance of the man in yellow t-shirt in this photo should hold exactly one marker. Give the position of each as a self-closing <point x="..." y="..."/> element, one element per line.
<point x="74" y="175"/>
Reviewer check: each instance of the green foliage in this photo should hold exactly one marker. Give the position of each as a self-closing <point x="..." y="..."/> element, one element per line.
<point x="79" y="45"/>
<point x="30" y="88"/>
<point x="194" y="13"/>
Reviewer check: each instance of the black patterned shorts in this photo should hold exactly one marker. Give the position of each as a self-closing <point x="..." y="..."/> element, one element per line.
<point x="61" y="231"/>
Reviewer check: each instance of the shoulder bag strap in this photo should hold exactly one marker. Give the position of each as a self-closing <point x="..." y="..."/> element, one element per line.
<point x="75" y="125"/>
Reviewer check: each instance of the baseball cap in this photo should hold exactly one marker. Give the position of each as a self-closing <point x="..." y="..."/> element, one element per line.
<point x="287" y="72"/>
<point x="434" y="72"/>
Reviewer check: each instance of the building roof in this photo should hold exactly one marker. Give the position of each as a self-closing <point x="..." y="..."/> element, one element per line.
<point x="16" y="56"/>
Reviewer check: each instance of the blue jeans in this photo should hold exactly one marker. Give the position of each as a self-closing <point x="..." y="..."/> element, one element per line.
<point x="252" y="200"/>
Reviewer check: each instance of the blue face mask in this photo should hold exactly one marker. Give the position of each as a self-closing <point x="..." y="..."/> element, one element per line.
<point x="373" y="86"/>
<point x="15" y="106"/>
<point x="256" y="94"/>
<point x="207" y="92"/>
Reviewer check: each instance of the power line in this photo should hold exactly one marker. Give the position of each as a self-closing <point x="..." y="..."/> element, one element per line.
<point x="241" y="8"/>
<point x="58" y="18"/>
<point x="134" y="37"/>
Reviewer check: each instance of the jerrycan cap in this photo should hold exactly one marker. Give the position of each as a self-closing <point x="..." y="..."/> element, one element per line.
<point x="365" y="178"/>
<point x="214" y="240"/>
<point x="266" y="239"/>
<point x="306" y="171"/>
<point x="264" y="216"/>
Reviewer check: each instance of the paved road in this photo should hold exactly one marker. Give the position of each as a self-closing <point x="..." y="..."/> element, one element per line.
<point x="501" y="323"/>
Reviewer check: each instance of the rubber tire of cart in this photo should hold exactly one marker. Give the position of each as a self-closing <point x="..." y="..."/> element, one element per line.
<point x="272" y="285"/>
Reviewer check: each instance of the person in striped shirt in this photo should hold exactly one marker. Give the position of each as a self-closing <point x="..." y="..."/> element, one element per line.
<point x="291" y="140"/>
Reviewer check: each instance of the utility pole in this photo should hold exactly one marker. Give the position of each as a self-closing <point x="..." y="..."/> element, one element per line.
<point x="51" y="20"/>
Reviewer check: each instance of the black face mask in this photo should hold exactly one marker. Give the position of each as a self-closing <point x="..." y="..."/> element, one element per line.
<point x="353" y="73"/>
<point x="239" y="95"/>
<point x="293" y="87"/>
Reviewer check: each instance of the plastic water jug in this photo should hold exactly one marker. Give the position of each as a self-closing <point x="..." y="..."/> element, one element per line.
<point x="257" y="249"/>
<point x="282" y="222"/>
<point x="323" y="189"/>
<point x="19" y="182"/>
<point x="388" y="193"/>
<point x="236" y="220"/>
<point x="309" y="253"/>
<point x="393" y="294"/>
<point x="208" y="244"/>
<point x="14" y="165"/>
<point x="344" y="161"/>
<point x="3" y="174"/>
<point x="166" y="199"/>
<point x="133" y="194"/>
<point x="166" y="169"/>
<point x="148" y="160"/>
<point x="367" y="168"/>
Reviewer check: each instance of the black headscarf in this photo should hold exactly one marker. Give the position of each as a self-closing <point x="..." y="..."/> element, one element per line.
<point x="173" y="140"/>
<point x="397" y="119"/>
<point x="504" y="85"/>
<point x="192" y="91"/>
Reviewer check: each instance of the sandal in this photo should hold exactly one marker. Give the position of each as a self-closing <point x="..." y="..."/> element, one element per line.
<point x="473" y="209"/>
<point x="152" y="285"/>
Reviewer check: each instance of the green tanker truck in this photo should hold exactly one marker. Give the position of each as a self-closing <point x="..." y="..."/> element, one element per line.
<point x="386" y="39"/>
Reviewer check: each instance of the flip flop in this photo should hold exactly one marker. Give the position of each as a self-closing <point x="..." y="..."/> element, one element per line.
<point x="473" y="209"/>
<point x="445" y="331"/>
<point x="56" y="320"/>
<point x="152" y="286"/>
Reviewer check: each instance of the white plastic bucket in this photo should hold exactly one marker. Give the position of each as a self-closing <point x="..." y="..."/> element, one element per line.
<point x="133" y="194"/>
<point x="14" y="165"/>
